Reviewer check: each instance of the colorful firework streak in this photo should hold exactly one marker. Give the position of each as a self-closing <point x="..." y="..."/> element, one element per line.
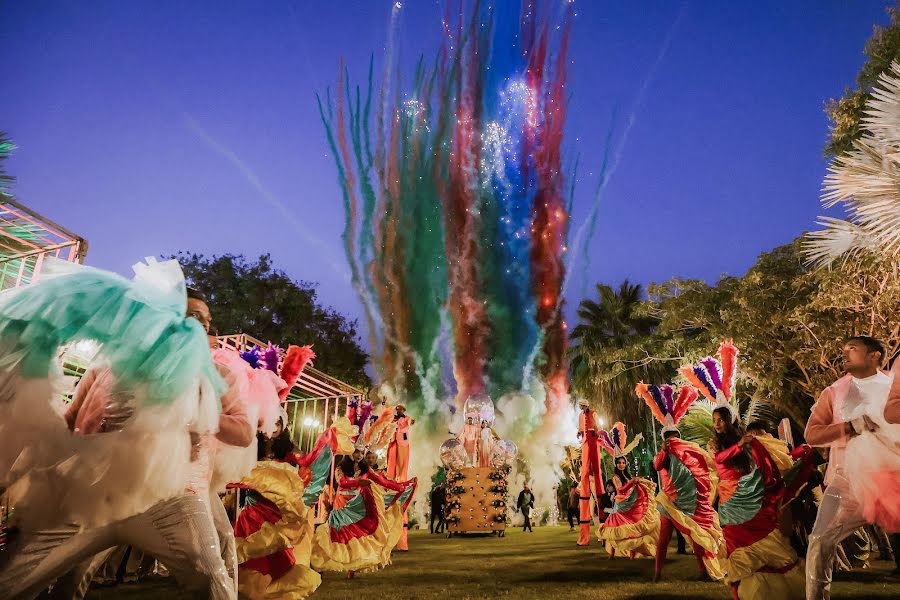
<point x="458" y="210"/>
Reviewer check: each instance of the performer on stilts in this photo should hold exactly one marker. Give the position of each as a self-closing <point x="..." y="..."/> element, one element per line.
<point x="398" y="461"/>
<point x="687" y="483"/>
<point x="380" y="431"/>
<point x="853" y="418"/>
<point x="632" y="528"/>
<point x="761" y="564"/>
<point x="589" y="434"/>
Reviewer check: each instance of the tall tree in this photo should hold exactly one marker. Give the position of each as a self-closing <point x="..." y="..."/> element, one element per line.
<point x="846" y="113"/>
<point x="607" y="326"/>
<point x="255" y="298"/>
<point x="788" y="320"/>
<point x="864" y="181"/>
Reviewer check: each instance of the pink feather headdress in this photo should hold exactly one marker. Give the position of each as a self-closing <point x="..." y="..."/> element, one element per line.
<point x="615" y="441"/>
<point x="715" y="379"/>
<point x="667" y="408"/>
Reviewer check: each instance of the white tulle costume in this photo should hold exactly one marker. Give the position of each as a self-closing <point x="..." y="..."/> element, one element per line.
<point x="258" y="390"/>
<point x="164" y="385"/>
<point x="872" y="458"/>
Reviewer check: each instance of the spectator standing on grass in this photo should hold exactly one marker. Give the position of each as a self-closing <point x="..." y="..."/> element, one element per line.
<point x="438" y="505"/>
<point x="526" y="504"/>
<point x="572" y="507"/>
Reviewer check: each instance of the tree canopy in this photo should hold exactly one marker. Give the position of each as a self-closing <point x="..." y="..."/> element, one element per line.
<point x="846" y="112"/>
<point x="255" y="298"/>
<point x="788" y="321"/>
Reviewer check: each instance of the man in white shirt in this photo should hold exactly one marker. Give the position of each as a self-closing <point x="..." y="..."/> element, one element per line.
<point x="837" y="416"/>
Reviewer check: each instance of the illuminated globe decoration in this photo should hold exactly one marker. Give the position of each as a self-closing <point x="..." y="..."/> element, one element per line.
<point x="453" y="455"/>
<point x="482" y="406"/>
<point x="503" y="454"/>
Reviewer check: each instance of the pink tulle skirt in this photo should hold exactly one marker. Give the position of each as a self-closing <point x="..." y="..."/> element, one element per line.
<point x="872" y="468"/>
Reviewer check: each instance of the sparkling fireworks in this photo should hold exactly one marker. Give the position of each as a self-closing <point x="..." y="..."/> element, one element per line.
<point x="457" y="210"/>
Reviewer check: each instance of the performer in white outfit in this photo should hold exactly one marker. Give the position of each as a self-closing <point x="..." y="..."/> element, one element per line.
<point x="863" y="474"/>
<point x="486" y="444"/>
<point x="178" y="530"/>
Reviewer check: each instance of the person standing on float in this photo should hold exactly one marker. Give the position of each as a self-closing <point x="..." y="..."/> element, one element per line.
<point x="588" y="433"/>
<point x="469" y="437"/>
<point x="398" y="461"/>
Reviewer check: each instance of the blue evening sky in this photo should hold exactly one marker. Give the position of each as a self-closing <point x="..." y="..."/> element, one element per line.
<point x="150" y="127"/>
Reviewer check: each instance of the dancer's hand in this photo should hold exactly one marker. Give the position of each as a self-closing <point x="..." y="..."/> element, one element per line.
<point x="364" y="483"/>
<point x="748" y="437"/>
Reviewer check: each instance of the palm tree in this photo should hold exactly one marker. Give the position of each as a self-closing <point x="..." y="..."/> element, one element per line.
<point x="605" y="355"/>
<point x="697" y="425"/>
<point x="865" y="182"/>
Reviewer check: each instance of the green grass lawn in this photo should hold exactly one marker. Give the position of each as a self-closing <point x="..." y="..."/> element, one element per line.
<point x="521" y="566"/>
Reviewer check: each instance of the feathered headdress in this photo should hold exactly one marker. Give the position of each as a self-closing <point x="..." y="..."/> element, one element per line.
<point x="295" y="360"/>
<point x="714" y="379"/>
<point x="252" y="357"/>
<point x="666" y="407"/>
<point x="271" y="356"/>
<point x="615" y="441"/>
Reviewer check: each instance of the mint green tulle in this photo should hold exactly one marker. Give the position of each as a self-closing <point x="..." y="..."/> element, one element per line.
<point x="141" y="329"/>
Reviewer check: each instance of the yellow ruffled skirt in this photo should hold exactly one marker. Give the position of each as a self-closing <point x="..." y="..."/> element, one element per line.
<point x="356" y="554"/>
<point x="775" y="552"/>
<point x="710" y="540"/>
<point x="636" y="539"/>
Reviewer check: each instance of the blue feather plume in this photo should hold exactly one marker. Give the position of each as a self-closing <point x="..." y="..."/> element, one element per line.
<point x="658" y="398"/>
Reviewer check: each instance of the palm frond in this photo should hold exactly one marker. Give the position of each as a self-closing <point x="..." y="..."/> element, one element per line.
<point x="839" y="240"/>
<point x="865" y="182"/>
<point x="758" y="409"/>
<point x="697" y="427"/>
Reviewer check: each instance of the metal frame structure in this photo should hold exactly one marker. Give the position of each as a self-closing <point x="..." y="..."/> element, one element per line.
<point x="27" y="238"/>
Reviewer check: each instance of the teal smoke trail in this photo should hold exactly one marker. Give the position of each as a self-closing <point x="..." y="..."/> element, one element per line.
<point x="457" y="209"/>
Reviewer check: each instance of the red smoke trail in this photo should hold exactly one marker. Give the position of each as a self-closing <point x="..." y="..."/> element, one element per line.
<point x="352" y="222"/>
<point x="470" y="324"/>
<point x="549" y="217"/>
